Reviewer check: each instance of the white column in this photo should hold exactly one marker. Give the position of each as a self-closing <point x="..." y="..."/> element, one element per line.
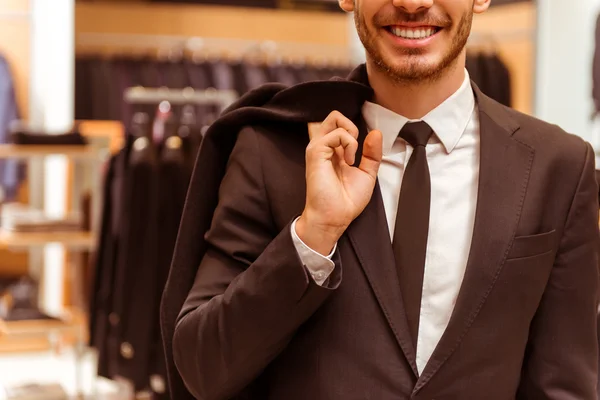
<point x="565" y="45"/>
<point x="51" y="108"/>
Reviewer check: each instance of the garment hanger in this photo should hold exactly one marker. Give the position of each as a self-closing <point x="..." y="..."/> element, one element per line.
<point x="188" y="129"/>
<point x="140" y="127"/>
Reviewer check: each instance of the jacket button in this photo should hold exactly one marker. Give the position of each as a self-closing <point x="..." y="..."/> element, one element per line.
<point x="113" y="319"/>
<point x="127" y="350"/>
<point x="140" y="143"/>
<point x="157" y="383"/>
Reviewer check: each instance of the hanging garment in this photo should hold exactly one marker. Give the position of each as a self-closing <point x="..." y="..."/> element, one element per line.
<point x="135" y="280"/>
<point x="190" y="133"/>
<point x="474" y="69"/>
<point x="201" y="78"/>
<point x="173" y="177"/>
<point x="83" y="88"/>
<point x="223" y="75"/>
<point x="491" y="75"/>
<point x="241" y="85"/>
<point x="106" y="261"/>
<point x="198" y="75"/>
<point x="11" y="171"/>
<point x="504" y="82"/>
<point x="101" y="85"/>
<point x="282" y="73"/>
<point x="124" y="76"/>
<point x="496" y="78"/>
<point x="173" y="74"/>
<point x="307" y="73"/>
<point x="255" y="75"/>
<point x="144" y="193"/>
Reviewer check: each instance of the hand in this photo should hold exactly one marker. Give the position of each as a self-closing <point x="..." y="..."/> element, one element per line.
<point x="336" y="191"/>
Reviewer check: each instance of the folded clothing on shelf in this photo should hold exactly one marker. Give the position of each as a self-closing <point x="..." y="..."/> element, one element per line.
<point x="17" y="217"/>
<point x="19" y="299"/>
<point x="26" y="137"/>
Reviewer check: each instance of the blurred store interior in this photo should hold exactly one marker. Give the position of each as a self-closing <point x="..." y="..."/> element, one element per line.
<point x="80" y="81"/>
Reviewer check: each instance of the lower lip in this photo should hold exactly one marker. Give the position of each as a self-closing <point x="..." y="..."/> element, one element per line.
<point x="412" y="43"/>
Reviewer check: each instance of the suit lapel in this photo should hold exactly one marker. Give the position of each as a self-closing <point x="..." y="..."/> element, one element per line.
<point x="503" y="178"/>
<point x="370" y="238"/>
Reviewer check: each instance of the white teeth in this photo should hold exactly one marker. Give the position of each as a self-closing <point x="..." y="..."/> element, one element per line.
<point x="413" y="33"/>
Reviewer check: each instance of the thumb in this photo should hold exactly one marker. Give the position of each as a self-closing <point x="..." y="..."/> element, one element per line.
<point x="372" y="153"/>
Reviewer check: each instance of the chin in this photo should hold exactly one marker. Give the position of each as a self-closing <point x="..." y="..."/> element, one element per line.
<point x="409" y="69"/>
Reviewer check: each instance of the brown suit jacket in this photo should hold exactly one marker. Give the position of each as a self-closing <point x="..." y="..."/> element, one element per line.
<point x="256" y="326"/>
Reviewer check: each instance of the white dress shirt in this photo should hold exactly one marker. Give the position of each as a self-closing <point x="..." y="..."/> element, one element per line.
<point x="453" y="156"/>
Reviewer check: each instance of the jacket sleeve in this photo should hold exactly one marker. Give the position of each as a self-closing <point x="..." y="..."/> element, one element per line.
<point x="562" y="358"/>
<point x="251" y="290"/>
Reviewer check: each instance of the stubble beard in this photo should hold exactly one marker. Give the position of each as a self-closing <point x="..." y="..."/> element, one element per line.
<point x="413" y="70"/>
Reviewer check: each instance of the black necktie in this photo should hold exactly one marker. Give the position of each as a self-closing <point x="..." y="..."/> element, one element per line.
<point x="412" y="223"/>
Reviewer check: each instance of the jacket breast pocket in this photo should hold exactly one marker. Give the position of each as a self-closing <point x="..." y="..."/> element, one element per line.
<point x="533" y="245"/>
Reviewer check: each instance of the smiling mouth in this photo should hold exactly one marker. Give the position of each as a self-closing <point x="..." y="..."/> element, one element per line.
<point x="413" y="33"/>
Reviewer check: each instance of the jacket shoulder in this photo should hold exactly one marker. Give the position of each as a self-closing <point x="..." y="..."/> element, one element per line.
<point x="550" y="141"/>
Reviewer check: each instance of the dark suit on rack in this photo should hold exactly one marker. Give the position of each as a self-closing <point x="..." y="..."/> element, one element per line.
<point x="135" y="279"/>
<point x="83" y="88"/>
<point x="492" y="76"/>
<point x="103" y="319"/>
<point x="256" y="326"/>
<point x="173" y="177"/>
<point x="282" y="73"/>
<point x="142" y="204"/>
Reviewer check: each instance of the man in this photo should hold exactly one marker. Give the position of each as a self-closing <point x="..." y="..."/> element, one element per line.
<point x="419" y="241"/>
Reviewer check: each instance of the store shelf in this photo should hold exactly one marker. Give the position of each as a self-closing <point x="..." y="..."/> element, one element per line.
<point x="35" y="151"/>
<point x="15" y="240"/>
<point x="35" y="335"/>
<point x="34" y="327"/>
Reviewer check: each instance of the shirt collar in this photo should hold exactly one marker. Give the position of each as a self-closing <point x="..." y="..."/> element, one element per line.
<point x="449" y="120"/>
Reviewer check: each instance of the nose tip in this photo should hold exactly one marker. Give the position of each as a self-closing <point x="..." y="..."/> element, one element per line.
<point x="413" y="6"/>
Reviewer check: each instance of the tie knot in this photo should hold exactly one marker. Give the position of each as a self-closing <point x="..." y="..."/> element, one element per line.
<point x="416" y="133"/>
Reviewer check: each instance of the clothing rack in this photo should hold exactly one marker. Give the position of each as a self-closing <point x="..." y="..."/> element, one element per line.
<point x="142" y="95"/>
<point x="196" y="45"/>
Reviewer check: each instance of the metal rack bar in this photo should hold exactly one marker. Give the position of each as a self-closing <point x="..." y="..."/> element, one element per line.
<point x="141" y="95"/>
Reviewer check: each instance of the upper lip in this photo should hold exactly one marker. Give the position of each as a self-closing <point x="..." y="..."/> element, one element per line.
<point x="412" y="25"/>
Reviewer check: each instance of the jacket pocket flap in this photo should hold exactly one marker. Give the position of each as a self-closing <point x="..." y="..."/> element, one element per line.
<point x="527" y="246"/>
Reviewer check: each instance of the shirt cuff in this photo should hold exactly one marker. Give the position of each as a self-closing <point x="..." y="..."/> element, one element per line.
<point x="319" y="266"/>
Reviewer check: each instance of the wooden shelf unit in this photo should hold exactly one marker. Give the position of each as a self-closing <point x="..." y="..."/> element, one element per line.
<point x="85" y="169"/>
<point x="24" y="240"/>
<point x="40" y="327"/>
<point x="36" y="335"/>
<point x="33" y="151"/>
